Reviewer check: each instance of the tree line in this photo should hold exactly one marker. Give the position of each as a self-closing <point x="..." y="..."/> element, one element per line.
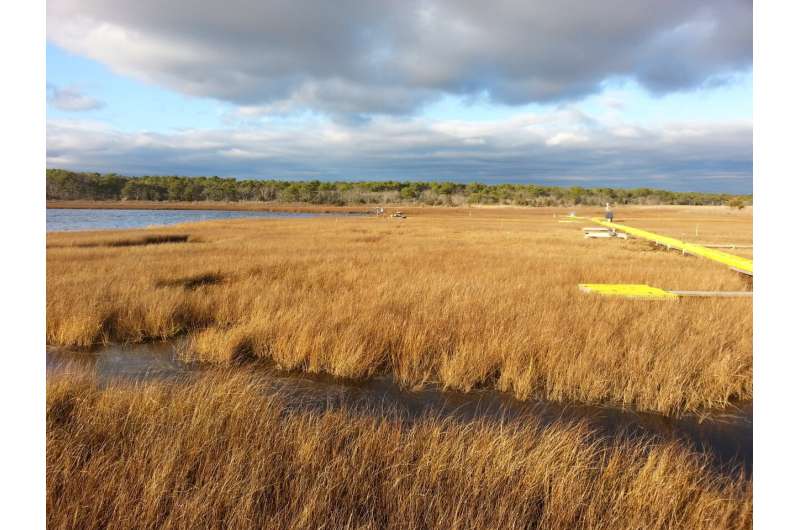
<point x="70" y="185"/>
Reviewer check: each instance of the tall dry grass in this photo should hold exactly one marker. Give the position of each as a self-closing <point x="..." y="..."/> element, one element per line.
<point x="463" y="298"/>
<point x="220" y="452"/>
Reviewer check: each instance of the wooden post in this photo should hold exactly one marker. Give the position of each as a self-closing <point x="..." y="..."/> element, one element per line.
<point x="722" y="294"/>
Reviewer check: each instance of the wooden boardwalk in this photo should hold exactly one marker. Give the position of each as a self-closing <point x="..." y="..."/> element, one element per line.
<point x="737" y="263"/>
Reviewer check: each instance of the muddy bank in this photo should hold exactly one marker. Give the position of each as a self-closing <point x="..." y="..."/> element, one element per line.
<point x="727" y="435"/>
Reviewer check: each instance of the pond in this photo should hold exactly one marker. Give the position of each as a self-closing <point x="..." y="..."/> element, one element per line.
<point x="59" y="220"/>
<point x="727" y="435"/>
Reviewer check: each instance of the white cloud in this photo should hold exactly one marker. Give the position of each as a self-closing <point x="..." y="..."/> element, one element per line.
<point x="566" y="138"/>
<point x="71" y="99"/>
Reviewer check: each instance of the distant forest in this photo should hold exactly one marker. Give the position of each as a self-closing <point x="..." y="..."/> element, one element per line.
<point x="70" y="185"/>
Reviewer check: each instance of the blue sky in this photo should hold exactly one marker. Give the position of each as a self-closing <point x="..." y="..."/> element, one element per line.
<point x="139" y="92"/>
<point x="129" y="105"/>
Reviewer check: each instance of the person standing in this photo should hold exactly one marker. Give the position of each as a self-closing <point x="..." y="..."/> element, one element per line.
<point x="609" y="213"/>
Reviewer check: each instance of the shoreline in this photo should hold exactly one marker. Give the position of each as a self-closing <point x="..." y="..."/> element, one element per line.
<point x="253" y="206"/>
<point x="205" y="205"/>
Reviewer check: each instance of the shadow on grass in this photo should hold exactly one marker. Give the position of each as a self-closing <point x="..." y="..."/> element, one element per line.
<point x="147" y="240"/>
<point x="192" y="282"/>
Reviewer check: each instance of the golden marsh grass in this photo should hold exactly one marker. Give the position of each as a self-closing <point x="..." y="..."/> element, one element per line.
<point x="220" y="452"/>
<point x="465" y="298"/>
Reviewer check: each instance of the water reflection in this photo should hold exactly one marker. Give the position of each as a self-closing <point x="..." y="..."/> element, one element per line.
<point x="59" y="220"/>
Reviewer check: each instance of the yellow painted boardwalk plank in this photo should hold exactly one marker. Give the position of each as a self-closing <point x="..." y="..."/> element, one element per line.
<point x="736" y="262"/>
<point x="644" y="291"/>
<point x="628" y="290"/>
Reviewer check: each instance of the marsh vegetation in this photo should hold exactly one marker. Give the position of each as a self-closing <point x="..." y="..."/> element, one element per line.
<point x="462" y="298"/>
<point x="223" y="452"/>
<point x="453" y="300"/>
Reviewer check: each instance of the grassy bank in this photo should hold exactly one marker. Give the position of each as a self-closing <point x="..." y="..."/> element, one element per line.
<point x="219" y="452"/>
<point x="464" y="298"/>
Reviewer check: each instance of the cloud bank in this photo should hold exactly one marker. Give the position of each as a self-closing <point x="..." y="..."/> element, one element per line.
<point x="563" y="147"/>
<point x="358" y="58"/>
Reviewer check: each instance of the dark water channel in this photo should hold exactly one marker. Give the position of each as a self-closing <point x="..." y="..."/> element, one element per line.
<point x="727" y="435"/>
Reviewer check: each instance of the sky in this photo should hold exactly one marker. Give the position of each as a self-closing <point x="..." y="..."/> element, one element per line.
<point x="613" y="93"/>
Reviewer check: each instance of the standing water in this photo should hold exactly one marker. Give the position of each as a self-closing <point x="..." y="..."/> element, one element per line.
<point x="726" y="435"/>
<point x="59" y="220"/>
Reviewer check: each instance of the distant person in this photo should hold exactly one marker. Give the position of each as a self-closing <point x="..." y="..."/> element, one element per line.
<point x="609" y="213"/>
